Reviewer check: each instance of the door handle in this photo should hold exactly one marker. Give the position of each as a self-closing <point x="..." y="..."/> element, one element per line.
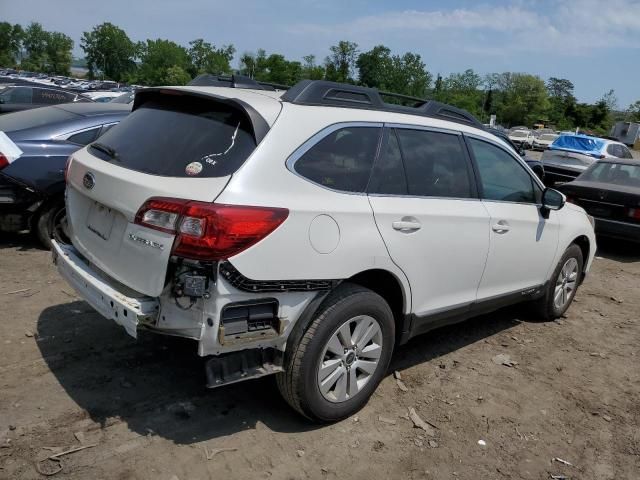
<point x="406" y="226"/>
<point x="501" y="227"/>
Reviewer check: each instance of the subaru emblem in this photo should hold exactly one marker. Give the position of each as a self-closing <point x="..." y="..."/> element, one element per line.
<point x="89" y="181"/>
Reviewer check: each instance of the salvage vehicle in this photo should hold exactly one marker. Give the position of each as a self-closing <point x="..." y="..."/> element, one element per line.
<point x="570" y="155"/>
<point x="521" y="138"/>
<point x="544" y="141"/>
<point x="308" y="233"/>
<point x="609" y="190"/>
<point x="32" y="181"/>
<point x="22" y="97"/>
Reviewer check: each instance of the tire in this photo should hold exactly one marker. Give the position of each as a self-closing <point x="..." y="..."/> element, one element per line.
<point x="547" y="307"/>
<point x="300" y="383"/>
<point x="51" y="223"/>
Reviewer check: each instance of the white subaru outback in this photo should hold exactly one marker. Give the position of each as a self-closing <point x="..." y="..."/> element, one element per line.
<point x="308" y="233"/>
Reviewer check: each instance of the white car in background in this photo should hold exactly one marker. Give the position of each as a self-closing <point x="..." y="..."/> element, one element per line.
<point x="522" y="138"/>
<point x="543" y="141"/>
<point x="98" y="96"/>
<point x="307" y="234"/>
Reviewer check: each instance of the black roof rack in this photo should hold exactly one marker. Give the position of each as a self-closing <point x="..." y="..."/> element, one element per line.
<point x="233" y="81"/>
<point x="321" y="92"/>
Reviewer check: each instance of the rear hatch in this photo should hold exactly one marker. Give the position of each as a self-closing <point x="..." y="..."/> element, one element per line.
<point x="566" y="159"/>
<point x="604" y="200"/>
<point x="177" y="143"/>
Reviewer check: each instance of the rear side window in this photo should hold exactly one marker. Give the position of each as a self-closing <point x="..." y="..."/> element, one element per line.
<point x="388" y="177"/>
<point x="435" y="163"/>
<point x="180" y="137"/>
<point x="17" y="95"/>
<point x="84" y="138"/>
<point x="342" y="160"/>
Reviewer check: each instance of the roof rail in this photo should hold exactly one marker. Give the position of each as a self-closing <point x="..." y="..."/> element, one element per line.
<point x="321" y="92"/>
<point x="233" y="81"/>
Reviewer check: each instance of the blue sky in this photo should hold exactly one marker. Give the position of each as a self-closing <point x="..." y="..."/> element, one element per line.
<point x="593" y="43"/>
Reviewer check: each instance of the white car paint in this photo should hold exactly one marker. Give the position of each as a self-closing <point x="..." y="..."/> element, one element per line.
<point x="456" y="257"/>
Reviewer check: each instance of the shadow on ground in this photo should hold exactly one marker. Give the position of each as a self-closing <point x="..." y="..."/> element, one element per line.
<point x="24" y="242"/>
<point x="156" y="384"/>
<point x="618" y="250"/>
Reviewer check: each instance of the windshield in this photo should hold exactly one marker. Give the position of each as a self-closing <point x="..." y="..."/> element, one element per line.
<point x="519" y="134"/>
<point x="38" y="117"/>
<point x="179" y="137"/>
<point x="125" y="98"/>
<point x="548" y="136"/>
<point x="614" y="173"/>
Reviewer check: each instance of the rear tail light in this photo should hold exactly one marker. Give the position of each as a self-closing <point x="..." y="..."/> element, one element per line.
<point x="4" y="161"/>
<point x="633" y="213"/>
<point x="209" y="231"/>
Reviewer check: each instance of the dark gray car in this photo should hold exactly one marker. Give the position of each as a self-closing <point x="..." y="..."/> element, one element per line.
<point x="25" y="97"/>
<point x="32" y="187"/>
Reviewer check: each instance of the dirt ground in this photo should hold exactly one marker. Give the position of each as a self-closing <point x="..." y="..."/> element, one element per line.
<point x="69" y="378"/>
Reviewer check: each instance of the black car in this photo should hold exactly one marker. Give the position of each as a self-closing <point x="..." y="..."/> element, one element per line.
<point x="609" y="190"/>
<point x="32" y="186"/>
<point x="22" y="97"/>
<point x="535" y="165"/>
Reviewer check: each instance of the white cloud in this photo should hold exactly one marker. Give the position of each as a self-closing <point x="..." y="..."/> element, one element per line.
<point x="565" y="26"/>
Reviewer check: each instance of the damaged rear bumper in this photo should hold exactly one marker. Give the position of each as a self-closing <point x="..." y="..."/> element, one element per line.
<point x="100" y="294"/>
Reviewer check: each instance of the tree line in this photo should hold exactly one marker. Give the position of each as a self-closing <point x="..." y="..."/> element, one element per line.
<point x="515" y="98"/>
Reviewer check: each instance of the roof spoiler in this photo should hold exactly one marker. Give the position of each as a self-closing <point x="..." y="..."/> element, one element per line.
<point x="259" y="125"/>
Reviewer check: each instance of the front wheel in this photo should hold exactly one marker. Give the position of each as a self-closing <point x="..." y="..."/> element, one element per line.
<point x="342" y="356"/>
<point x="562" y="287"/>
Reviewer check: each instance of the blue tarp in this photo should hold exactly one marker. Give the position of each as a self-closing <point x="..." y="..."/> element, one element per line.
<point x="578" y="143"/>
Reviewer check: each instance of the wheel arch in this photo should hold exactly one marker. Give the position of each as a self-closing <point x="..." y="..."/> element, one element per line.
<point x="584" y="244"/>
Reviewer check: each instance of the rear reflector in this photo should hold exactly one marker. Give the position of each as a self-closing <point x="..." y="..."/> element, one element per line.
<point x="633" y="213"/>
<point x="209" y="231"/>
<point x="4" y="161"/>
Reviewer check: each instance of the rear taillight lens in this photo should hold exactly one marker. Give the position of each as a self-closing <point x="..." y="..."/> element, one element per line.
<point x="633" y="213"/>
<point x="209" y="231"/>
<point x="4" y="161"/>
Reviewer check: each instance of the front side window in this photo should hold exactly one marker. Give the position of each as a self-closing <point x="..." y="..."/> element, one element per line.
<point x="502" y="177"/>
<point x="342" y="160"/>
<point x="435" y="163"/>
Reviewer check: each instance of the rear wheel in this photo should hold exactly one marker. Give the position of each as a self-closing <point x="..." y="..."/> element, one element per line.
<point x="52" y="223"/>
<point x="342" y="356"/>
<point x="562" y="286"/>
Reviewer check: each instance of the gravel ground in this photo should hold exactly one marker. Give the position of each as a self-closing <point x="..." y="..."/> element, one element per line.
<point x="69" y="378"/>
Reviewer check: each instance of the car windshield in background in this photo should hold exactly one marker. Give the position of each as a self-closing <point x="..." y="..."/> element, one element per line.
<point x="548" y="136"/>
<point x="614" y="173"/>
<point x="170" y="142"/>
<point x="33" y="118"/>
<point x="126" y="98"/>
<point x="519" y="134"/>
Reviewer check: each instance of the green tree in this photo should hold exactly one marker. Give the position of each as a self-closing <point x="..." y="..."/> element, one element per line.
<point x="11" y="37"/>
<point x="341" y="63"/>
<point x="463" y="90"/>
<point x="310" y="70"/>
<point x="404" y="74"/>
<point x="58" y="53"/>
<point x="633" y="112"/>
<point x="158" y="59"/>
<point x="108" y="49"/>
<point x="523" y="98"/>
<point x="206" y="58"/>
<point x="561" y="102"/>
<point x="35" y="45"/>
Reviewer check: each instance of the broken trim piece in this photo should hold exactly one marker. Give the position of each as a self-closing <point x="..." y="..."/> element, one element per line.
<point x="239" y="281"/>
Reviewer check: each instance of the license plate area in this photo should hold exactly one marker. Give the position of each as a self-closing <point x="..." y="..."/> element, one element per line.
<point x="100" y="220"/>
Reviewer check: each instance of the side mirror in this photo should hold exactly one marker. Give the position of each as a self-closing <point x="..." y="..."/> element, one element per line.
<point x="552" y="200"/>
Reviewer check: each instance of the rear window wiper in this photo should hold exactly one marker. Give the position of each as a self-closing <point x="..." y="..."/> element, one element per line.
<point x="105" y="149"/>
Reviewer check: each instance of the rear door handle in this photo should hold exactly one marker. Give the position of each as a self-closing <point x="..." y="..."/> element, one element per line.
<point x="406" y="226"/>
<point x="501" y="227"/>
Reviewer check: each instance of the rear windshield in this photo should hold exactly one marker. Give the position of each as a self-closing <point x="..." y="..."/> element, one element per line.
<point x="615" y="173"/>
<point x="179" y="137"/>
<point x="13" y="122"/>
<point x="519" y="134"/>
